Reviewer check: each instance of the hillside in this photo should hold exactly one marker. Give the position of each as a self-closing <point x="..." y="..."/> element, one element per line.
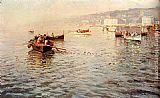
<point x="130" y="16"/>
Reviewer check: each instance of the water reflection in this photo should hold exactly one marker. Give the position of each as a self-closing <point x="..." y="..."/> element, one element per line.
<point x="59" y="43"/>
<point x="99" y="66"/>
<point x="39" y="59"/>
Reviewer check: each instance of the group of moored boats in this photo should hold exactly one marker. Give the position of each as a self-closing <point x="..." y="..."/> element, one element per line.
<point x="135" y="36"/>
<point x="44" y="43"/>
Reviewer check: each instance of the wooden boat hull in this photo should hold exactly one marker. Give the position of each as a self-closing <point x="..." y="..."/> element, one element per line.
<point x="144" y="34"/>
<point x="42" y="49"/>
<point x="158" y="30"/>
<point x="79" y="33"/>
<point x="57" y="38"/>
<point x="82" y="31"/>
<point x="118" y="34"/>
<point x="135" y="38"/>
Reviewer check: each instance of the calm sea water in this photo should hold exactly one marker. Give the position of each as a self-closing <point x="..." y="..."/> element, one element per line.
<point x="95" y="66"/>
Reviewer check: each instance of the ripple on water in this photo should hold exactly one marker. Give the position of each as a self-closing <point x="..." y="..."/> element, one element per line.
<point x="101" y="68"/>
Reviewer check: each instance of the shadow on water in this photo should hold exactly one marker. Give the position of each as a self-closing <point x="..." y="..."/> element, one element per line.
<point x="36" y="58"/>
<point x="22" y="85"/>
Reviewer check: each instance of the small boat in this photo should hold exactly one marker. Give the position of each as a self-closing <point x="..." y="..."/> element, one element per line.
<point x="31" y="31"/>
<point x="133" y="38"/>
<point x="158" y="30"/>
<point x="119" y="31"/>
<point x="118" y="34"/>
<point x="143" y="33"/>
<point x="78" y="33"/>
<point x="41" y="48"/>
<point x="82" y="31"/>
<point x="61" y="37"/>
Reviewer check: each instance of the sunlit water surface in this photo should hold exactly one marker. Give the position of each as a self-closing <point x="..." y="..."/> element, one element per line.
<point x="95" y="66"/>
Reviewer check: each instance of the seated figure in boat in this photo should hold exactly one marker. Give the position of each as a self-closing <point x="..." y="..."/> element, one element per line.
<point x="35" y="37"/>
<point x="40" y="40"/>
<point x="128" y="34"/>
<point x="45" y="37"/>
<point x="132" y="34"/>
<point x="79" y="31"/>
<point x="135" y="34"/>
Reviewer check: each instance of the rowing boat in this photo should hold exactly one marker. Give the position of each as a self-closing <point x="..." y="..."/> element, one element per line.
<point x="61" y="37"/>
<point x="84" y="33"/>
<point x="41" y="47"/>
<point x="118" y="34"/>
<point x="143" y="33"/>
<point x="134" y="38"/>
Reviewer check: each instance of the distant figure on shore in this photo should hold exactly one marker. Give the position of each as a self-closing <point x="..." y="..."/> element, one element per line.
<point x="31" y="31"/>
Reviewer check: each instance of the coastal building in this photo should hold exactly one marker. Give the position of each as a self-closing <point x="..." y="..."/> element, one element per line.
<point x="110" y="23"/>
<point x="147" y="21"/>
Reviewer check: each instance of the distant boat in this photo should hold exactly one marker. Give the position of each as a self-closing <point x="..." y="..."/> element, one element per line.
<point x="82" y="32"/>
<point x="77" y="33"/>
<point x="31" y="31"/>
<point x="133" y="37"/>
<point x="144" y="33"/>
<point x="118" y="34"/>
<point x="158" y="30"/>
<point x="119" y="31"/>
<point x="60" y="37"/>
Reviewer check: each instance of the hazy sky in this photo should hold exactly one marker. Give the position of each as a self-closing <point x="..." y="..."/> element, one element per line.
<point x="71" y="7"/>
<point x="26" y="11"/>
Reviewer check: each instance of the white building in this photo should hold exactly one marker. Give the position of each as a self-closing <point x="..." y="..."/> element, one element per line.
<point x="147" y="21"/>
<point x="110" y="23"/>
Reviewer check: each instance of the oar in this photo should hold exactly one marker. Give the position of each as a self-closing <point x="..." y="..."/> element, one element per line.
<point x="58" y="49"/>
<point x="61" y="48"/>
